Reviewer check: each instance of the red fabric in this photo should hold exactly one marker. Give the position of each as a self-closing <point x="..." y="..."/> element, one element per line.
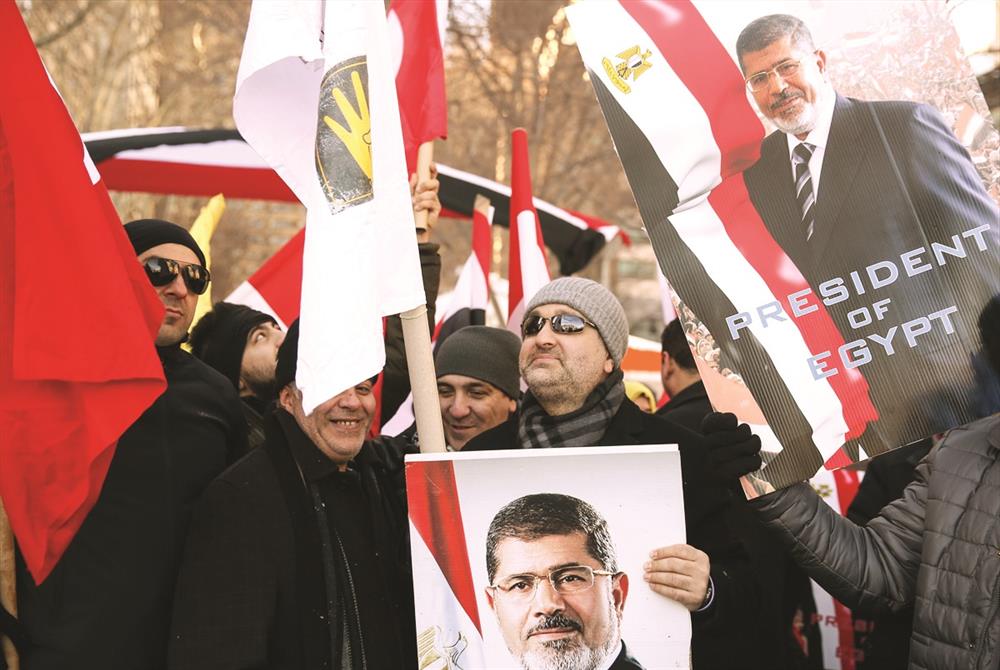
<point x="598" y="224"/>
<point x="710" y="75"/>
<point x="520" y="201"/>
<point x="279" y="279"/>
<point x="77" y="315"/>
<point x="146" y="176"/>
<point x="482" y="244"/>
<point x="423" y="105"/>
<point x="436" y="513"/>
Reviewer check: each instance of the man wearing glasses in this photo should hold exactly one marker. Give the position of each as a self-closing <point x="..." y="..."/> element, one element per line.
<point x="867" y="197"/>
<point x="555" y="587"/>
<point x="107" y="602"/>
<point x="574" y="337"/>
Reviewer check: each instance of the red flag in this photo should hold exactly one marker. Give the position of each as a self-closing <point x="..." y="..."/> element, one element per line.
<point x="77" y="315"/>
<point x="528" y="270"/>
<point x="416" y="33"/>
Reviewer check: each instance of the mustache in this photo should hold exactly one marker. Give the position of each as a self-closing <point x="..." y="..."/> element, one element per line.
<point x="785" y="96"/>
<point x="554" y="621"/>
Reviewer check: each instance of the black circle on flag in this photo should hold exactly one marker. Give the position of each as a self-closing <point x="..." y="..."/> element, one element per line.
<point x="343" y="135"/>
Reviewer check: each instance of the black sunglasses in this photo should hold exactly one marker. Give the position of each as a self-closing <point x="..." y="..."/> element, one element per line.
<point x="561" y="323"/>
<point x="162" y="271"/>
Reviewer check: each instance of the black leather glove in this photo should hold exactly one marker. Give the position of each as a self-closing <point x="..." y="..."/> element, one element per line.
<point x="733" y="450"/>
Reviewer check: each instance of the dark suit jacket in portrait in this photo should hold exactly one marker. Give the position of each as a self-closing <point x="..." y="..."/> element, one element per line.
<point x="894" y="179"/>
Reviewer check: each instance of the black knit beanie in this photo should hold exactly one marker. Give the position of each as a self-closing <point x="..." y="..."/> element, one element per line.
<point x="144" y="234"/>
<point x="220" y="337"/>
<point x="484" y="353"/>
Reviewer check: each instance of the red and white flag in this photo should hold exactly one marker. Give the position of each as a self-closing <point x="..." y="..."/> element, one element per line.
<point x="466" y="306"/>
<point x="529" y="270"/>
<point x="78" y="317"/>
<point x="315" y="97"/>
<point x="699" y="153"/>
<point x="449" y="634"/>
<point x="416" y="31"/>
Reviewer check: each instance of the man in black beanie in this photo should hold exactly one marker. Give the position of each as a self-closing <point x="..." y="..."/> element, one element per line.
<point x="478" y="382"/>
<point x="298" y="555"/>
<point x="107" y="603"/>
<point x="242" y="343"/>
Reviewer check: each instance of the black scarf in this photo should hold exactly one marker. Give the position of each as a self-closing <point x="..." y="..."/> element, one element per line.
<point x="581" y="428"/>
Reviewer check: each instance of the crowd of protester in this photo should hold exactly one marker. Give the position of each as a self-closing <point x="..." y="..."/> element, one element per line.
<point x="235" y="531"/>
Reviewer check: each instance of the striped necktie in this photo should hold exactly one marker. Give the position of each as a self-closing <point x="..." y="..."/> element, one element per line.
<point x="804" y="194"/>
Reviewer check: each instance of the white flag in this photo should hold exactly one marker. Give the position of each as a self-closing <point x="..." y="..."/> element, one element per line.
<point x="316" y="98"/>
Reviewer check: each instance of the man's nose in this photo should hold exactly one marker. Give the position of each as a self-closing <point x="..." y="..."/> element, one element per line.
<point x="547" y="599"/>
<point x="177" y="287"/>
<point x="546" y="336"/>
<point x="459" y="406"/>
<point x="776" y="82"/>
<point x="349" y="399"/>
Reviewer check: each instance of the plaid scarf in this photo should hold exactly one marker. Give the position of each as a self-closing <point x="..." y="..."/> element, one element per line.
<point x="582" y="428"/>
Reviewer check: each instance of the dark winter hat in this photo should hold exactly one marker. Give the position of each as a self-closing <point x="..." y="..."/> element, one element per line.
<point x="288" y="357"/>
<point x="596" y="303"/>
<point x="484" y="353"/>
<point x="144" y="234"/>
<point x="220" y="337"/>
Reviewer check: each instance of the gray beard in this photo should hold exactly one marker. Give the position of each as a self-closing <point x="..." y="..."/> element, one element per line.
<point x="568" y="654"/>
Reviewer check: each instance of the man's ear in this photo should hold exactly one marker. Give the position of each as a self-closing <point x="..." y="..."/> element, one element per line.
<point x="609" y="365"/>
<point x="243" y="388"/>
<point x="287" y="397"/>
<point x="821" y="61"/>
<point x="489" y="598"/>
<point x="619" y="592"/>
<point x="511" y="406"/>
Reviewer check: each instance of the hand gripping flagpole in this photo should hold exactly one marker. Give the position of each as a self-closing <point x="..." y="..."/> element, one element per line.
<point x="417" y="341"/>
<point x="8" y="596"/>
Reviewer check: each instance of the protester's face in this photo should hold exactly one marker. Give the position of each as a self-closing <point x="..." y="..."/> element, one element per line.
<point x="179" y="302"/>
<point x="338" y="426"/>
<point x="792" y="103"/>
<point x="470" y="406"/>
<point x="563" y="368"/>
<point x="553" y="630"/>
<point x="260" y="357"/>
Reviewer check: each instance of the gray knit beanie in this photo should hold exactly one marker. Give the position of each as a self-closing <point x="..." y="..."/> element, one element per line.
<point x="484" y="353"/>
<point x="596" y="303"/>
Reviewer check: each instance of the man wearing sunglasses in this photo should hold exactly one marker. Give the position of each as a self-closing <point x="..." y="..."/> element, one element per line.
<point x="107" y="604"/>
<point x="574" y="337"/>
<point x="555" y="586"/>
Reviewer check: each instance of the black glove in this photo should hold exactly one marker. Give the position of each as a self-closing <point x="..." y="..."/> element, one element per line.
<point x="733" y="450"/>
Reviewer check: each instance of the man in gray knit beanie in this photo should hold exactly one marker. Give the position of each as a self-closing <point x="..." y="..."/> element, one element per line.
<point x="574" y="337"/>
<point x="478" y="382"/>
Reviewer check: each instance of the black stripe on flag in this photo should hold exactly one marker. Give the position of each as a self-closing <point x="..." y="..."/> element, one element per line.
<point x="656" y="195"/>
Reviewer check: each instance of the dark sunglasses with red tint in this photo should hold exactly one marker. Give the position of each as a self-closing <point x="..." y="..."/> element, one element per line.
<point x="162" y="271"/>
<point x="560" y="323"/>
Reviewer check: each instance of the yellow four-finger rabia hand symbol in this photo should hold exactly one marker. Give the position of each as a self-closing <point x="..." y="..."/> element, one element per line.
<point x="357" y="136"/>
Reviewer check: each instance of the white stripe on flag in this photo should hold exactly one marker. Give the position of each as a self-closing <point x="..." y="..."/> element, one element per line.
<point x="247" y="294"/>
<point x="224" y="153"/>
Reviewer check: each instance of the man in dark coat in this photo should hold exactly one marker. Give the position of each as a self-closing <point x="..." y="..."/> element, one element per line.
<point x="688" y="403"/>
<point x="298" y="555"/>
<point x="242" y="343"/>
<point x="107" y="603"/>
<point x="575" y="334"/>
<point x="857" y="191"/>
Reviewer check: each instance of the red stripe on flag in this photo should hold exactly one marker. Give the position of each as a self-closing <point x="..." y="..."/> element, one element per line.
<point x="144" y="176"/>
<point x="436" y="513"/>
<point x="520" y="201"/>
<point x="482" y="244"/>
<point x="708" y="72"/>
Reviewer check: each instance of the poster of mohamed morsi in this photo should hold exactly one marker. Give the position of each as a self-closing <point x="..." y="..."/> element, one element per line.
<point x="820" y="186"/>
<point x="533" y="558"/>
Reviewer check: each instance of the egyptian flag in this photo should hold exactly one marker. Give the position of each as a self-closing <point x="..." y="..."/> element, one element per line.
<point x="468" y="302"/>
<point x="78" y="318"/>
<point x="449" y="633"/>
<point x="316" y="98"/>
<point x="528" y="270"/>
<point x="685" y="168"/>
<point x="416" y="36"/>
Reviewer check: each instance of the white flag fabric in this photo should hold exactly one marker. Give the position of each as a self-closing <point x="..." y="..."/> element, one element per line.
<point x="316" y="98"/>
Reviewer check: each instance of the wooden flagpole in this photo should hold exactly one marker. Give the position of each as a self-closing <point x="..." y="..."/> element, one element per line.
<point x="417" y="341"/>
<point x="8" y="592"/>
